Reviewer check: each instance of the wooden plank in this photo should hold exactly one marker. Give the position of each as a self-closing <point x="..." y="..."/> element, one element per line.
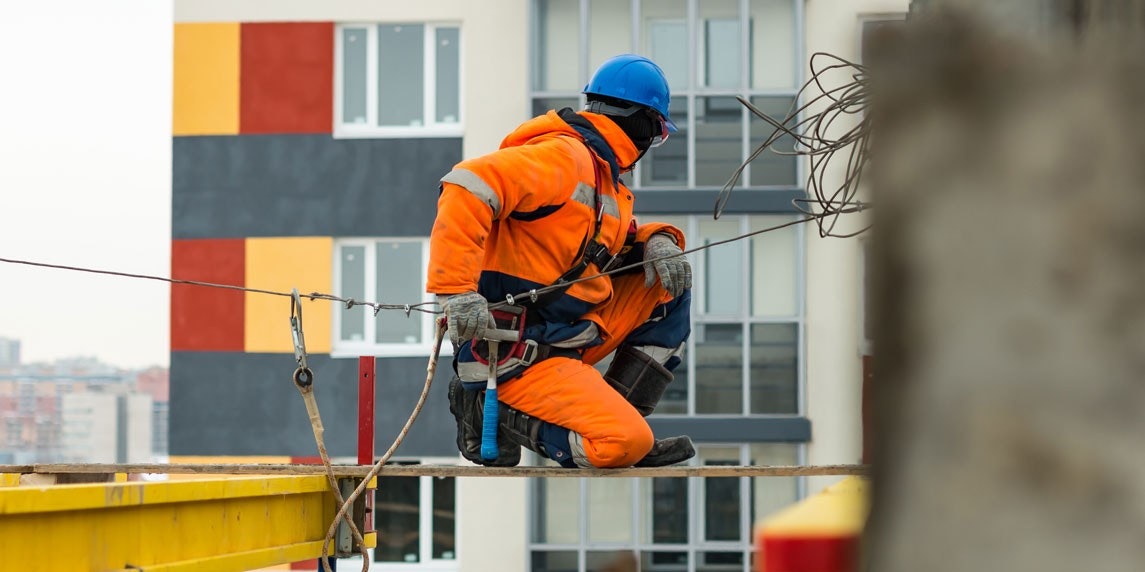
<point x="448" y="470"/>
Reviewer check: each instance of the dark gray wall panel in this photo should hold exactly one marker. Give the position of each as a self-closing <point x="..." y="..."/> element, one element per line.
<point x="246" y="404"/>
<point x="734" y="430"/>
<point x="742" y="201"/>
<point x="307" y="185"/>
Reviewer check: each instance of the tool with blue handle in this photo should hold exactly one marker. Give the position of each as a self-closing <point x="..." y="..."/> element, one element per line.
<point x="489" y="448"/>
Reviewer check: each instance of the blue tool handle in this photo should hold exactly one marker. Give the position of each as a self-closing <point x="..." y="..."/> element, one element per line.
<point x="489" y="425"/>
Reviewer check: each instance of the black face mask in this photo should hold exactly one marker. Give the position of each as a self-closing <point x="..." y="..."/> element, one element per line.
<point x="640" y="127"/>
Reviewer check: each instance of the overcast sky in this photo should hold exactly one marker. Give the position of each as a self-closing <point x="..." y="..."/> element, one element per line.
<point x="85" y="177"/>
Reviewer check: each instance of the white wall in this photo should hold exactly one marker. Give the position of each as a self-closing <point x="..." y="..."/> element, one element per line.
<point x="89" y="423"/>
<point x="137" y="409"/>
<point x="834" y="368"/>
<point x="494" y="39"/>
<point x="492" y="524"/>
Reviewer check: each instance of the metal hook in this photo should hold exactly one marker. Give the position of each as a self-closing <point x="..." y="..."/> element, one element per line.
<point x="303" y="376"/>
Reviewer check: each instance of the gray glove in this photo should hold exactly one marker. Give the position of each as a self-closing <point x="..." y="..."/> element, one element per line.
<point x="467" y="315"/>
<point x="675" y="273"/>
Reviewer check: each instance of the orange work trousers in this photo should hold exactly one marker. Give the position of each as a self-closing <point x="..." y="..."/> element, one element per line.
<point x="571" y="393"/>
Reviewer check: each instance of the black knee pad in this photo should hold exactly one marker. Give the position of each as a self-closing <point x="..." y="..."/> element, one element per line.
<point x="638" y="377"/>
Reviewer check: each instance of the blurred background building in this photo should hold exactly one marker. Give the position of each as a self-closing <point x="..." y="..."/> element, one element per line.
<point x="308" y="143"/>
<point x="81" y="411"/>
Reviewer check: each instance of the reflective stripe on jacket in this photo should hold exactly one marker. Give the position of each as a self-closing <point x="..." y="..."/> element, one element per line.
<point x="519" y="217"/>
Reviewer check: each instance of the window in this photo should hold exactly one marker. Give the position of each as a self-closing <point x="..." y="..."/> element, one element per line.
<point x="415" y="518"/>
<point x="389" y="271"/>
<point x="398" y="79"/>
<point x="744" y="355"/>
<point x="712" y="52"/>
<point x="668" y="523"/>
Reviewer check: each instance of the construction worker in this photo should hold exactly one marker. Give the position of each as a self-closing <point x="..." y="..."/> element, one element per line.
<point x="547" y="208"/>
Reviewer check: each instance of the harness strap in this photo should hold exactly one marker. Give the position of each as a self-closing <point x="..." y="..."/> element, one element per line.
<point x="592" y="250"/>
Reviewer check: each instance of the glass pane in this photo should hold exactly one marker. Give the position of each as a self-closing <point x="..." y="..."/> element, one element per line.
<point x="664" y="562"/>
<point x="665" y="33"/>
<point x="542" y="105"/>
<point x="774" y="368"/>
<point x="396" y="519"/>
<point x="772" y="167"/>
<point x="772" y="494"/>
<point x="610" y="561"/>
<point x="610" y="510"/>
<point x="719" y="562"/>
<point x="444" y="518"/>
<point x="774" y="263"/>
<point x="719" y="39"/>
<point x="664" y="510"/>
<point x="562" y="561"/>
<point x="399" y="282"/>
<point x="448" y="76"/>
<point x="772" y="44"/>
<point x="558" y="511"/>
<point x="609" y="31"/>
<point x="722" y="508"/>
<point x="558" y="50"/>
<point x="667" y="165"/>
<point x="401" y="74"/>
<point x="354" y="75"/>
<point x="719" y="368"/>
<point x="675" y="398"/>
<point x="719" y="139"/>
<point x="723" y="267"/>
<point x="353" y="286"/>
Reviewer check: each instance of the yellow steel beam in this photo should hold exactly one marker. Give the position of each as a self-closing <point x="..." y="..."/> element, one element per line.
<point x="224" y="524"/>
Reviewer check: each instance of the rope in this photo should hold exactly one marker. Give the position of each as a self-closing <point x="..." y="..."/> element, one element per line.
<point x="430" y="370"/>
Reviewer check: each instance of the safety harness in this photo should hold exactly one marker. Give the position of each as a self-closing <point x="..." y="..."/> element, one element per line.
<point x="592" y="250"/>
<point x="514" y="358"/>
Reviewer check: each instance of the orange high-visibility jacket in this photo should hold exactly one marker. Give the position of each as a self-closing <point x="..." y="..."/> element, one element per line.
<point x="518" y="218"/>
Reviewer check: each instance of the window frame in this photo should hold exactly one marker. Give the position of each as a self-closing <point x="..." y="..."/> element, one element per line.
<point x="695" y="29"/>
<point x="642" y="495"/>
<point x="425" y="525"/>
<point x="745" y="318"/>
<point x="340" y="348"/>
<point x="371" y="130"/>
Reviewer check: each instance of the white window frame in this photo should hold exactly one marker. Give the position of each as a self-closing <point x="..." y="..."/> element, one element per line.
<point x="352" y="349"/>
<point x="642" y="496"/>
<point x="425" y="529"/>
<point x="744" y="318"/>
<point x="371" y="129"/>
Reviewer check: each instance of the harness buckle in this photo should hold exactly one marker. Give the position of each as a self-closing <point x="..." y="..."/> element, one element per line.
<point x="529" y="353"/>
<point x="599" y="255"/>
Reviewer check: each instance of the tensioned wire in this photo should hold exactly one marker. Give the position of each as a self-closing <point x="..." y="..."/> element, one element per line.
<point x="420" y="306"/>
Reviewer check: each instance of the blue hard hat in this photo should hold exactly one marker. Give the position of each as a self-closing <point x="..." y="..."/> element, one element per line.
<point x="635" y="79"/>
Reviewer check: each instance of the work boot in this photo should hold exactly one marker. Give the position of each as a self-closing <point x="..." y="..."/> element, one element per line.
<point x="638" y="377"/>
<point x="668" y="452"/>
<point x="467" y="408"/>
<point x="547" y="440"/>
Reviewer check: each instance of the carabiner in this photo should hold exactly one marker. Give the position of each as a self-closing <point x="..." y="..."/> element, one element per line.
<point x="303" y="376"/>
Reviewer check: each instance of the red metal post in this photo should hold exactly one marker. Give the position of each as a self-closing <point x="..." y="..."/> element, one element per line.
<point x="366" y="388"/>
<point x="366" y="410"/>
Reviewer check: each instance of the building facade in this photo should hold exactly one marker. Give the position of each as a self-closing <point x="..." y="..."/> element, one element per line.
<point x="308" y="143"/>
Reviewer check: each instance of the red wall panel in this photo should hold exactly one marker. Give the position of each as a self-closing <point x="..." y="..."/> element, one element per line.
<point x="286" y="78"/>
<point x="205" y="318"/>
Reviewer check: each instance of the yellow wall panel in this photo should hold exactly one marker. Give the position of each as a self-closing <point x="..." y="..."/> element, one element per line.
<point x="206" y="88"/>
<point x="281" y="264"/>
